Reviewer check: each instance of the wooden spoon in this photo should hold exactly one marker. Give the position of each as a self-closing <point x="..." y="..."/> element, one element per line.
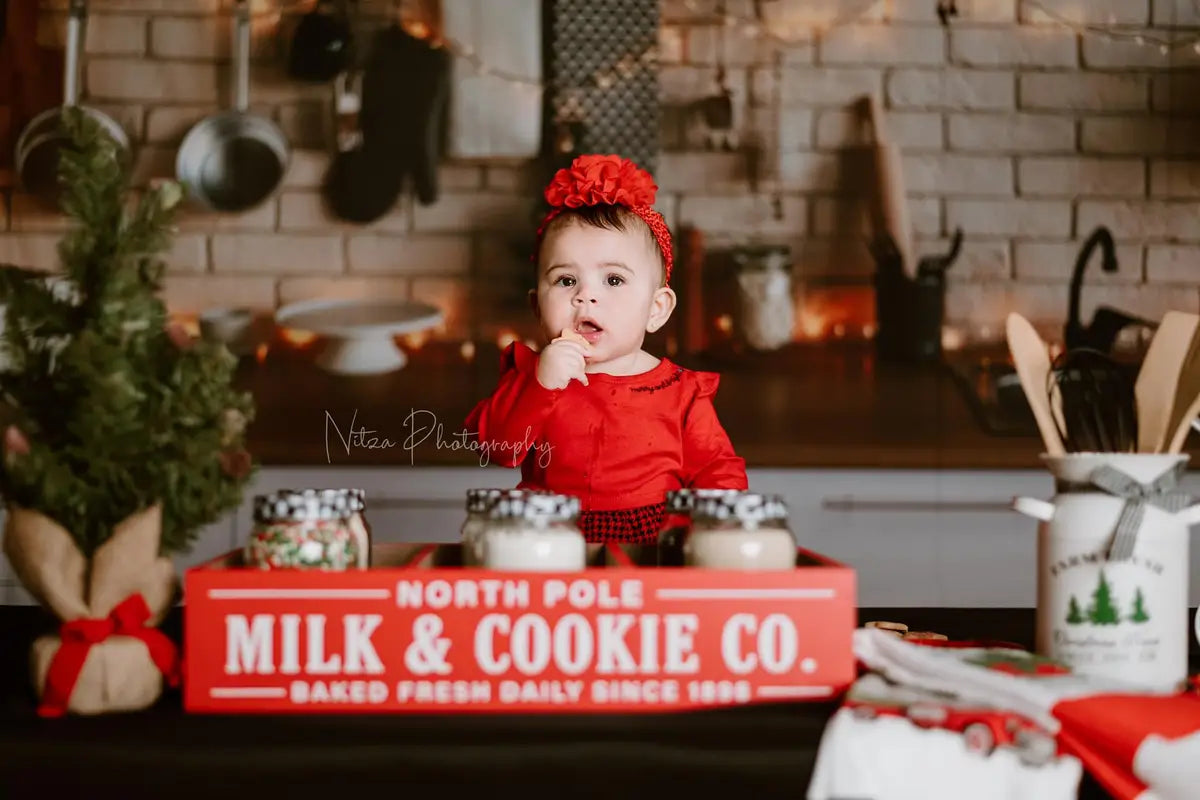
<point x="1033" y="367"/>
<point x="1158" y="378"/>
<point x="1187" y="390"/>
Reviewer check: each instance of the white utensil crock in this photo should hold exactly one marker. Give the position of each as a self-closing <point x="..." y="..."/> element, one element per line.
<point x="1125" y="620"/>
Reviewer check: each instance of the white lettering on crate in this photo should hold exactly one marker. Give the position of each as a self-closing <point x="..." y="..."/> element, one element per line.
<point x="529" y="644"/>
<point x="635" y="692"/>
<point x="250" y="645"/>
<point x="586" y="593"/>
<point x="485" y="593"/>
<point x="444" y="692"/>
<point x="776" y="644"/>
<point x="355" y="692"/>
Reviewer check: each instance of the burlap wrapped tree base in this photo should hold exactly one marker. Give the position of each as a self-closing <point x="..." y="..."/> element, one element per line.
<point x="108" y="655"/>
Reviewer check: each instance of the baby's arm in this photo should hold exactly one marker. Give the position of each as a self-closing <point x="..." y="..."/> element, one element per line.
<point x="708" y="457"/>
<point x="510" y="421"/>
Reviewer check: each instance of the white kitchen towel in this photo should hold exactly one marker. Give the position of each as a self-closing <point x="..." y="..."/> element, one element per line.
<point x="1136" y="743"/>
<point x="890" y="758"/>
<point x="490" y="115"/>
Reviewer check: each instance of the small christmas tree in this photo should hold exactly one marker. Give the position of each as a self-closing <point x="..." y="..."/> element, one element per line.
<point x="1104" y="609"/>
<point x="109" y="408"/>
<point x="1074" y="615"/>
<point x="1139" y="608"/>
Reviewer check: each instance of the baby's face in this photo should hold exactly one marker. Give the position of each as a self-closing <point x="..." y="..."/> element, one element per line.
<point x="600" y="283"/>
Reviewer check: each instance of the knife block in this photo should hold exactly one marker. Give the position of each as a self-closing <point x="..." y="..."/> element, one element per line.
<point x="909" y="311"/>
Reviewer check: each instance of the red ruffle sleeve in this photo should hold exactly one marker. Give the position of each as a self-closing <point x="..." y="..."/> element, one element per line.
<point x="709" y="461"/>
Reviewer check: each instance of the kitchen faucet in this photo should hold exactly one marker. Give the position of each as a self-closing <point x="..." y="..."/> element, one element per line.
<point x="1106" y="322"/>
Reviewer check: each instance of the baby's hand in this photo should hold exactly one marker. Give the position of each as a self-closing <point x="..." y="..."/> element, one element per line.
<point x="563" y="359"/>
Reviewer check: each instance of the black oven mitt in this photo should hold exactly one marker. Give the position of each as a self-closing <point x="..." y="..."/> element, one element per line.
<point x="405" y="89"/>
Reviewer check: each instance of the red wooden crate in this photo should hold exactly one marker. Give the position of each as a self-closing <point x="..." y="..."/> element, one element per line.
<point x="419" y="633"/>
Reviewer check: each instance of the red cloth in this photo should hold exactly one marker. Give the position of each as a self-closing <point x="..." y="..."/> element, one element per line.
<point x="78" y="635"/>
<point x="622" y="441"/>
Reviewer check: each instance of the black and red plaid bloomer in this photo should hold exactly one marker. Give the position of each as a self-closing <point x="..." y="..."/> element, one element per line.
<point x="624" y="525"/>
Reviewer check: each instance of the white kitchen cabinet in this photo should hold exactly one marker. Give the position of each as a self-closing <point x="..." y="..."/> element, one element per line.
<point x="914" y="537"/>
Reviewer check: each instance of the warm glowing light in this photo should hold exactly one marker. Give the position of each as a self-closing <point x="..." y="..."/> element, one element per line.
<point x="953" y="338"/>
<point x="505" y="339"/>
<point x="725" y="323"/>
<point x="297" y="338"/>
<point x="260" y="353"/>
<point x="839" y="330"/>
<point x="985" y="332"/>
<point x="190" y="323"/>
<point x="868" y="331"/>
<point x="416" y="340"/>
<point x="812" y="324"/>
<point x="467" y="351"/>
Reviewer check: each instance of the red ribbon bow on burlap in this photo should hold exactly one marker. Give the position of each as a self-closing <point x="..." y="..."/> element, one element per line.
<point x="78" y="636"/>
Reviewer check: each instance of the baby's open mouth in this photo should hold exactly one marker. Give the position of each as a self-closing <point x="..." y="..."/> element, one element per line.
<point x="587" y="326"/>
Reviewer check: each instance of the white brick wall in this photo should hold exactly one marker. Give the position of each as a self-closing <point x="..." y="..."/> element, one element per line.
<point x="1020" y="131"/>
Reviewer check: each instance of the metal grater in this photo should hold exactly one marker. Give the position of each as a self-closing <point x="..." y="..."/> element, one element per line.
<point x="590" y="36"/>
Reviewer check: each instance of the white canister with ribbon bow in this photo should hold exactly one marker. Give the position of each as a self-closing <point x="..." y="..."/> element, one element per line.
<point x="1113" y="566"/>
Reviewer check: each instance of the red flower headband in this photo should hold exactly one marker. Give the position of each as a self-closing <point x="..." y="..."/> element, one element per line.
<point x="594" y="180"/>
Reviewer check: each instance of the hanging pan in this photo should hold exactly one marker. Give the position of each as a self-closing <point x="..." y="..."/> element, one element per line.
<point x="234" y="160"/>
<point x="44" y="138"/>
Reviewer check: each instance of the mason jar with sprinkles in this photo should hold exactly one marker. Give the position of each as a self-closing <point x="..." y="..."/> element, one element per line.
<point x="306" y="529"/>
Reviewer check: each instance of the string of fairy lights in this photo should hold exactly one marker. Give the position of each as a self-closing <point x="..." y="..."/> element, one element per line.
<point x="795" y="23"/>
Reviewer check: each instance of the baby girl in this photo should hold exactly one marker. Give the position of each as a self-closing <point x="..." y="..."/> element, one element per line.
<point x="593" y="414"/>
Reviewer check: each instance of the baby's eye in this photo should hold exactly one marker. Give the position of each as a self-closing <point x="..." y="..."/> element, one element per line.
<point x="565" y="280"/>
<point x="615" y="280"/>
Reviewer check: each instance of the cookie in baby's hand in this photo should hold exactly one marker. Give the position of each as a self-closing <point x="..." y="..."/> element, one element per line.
<point x="571" y="336"/>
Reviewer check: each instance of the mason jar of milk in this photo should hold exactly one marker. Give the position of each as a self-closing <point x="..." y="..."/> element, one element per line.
<point x="747" y="531"/>
<point x="535" y="531"/>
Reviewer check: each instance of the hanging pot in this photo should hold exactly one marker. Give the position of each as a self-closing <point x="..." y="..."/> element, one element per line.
<point x="234" y="160"/>
<point x="41" y="143"/>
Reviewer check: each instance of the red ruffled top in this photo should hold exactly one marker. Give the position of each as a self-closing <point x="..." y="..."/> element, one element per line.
<point x="622" y="441"/>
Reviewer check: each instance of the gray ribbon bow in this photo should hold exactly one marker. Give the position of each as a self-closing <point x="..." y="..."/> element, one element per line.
<point x="1160" y="493"/>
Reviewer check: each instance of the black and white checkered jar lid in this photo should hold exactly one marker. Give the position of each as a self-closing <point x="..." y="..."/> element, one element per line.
<point x="682" y="501"/>
<point x="304" y="505"/>
<point x="747" y="508"/>
<point x="480" y="500"/>
<point x="539" y="507"/>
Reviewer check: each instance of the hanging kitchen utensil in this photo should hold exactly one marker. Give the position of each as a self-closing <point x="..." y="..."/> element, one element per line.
<point x="41" y="143"/>
<point x="321" y="44"/>
<point x="1094" y="402"/>
<point x="1159" y="376"/>
<point x="717" y="109"/>
<point x="1032" y="360"/>
<point x="891" y="203"/>
<point x="234" y="160"/>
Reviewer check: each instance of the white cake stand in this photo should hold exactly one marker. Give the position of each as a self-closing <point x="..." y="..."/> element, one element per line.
<point x="359" y="333"/>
